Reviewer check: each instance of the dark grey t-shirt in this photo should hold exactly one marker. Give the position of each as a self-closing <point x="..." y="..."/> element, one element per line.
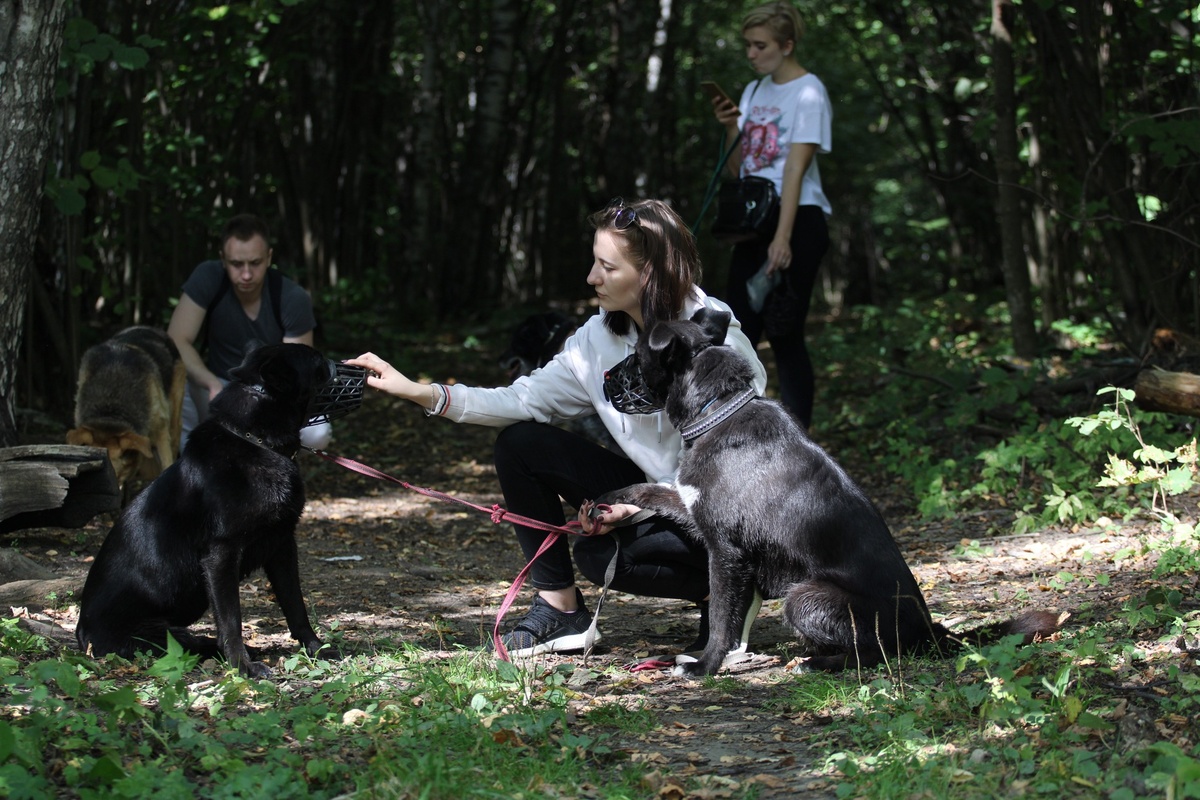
<point x="229" y="332"/>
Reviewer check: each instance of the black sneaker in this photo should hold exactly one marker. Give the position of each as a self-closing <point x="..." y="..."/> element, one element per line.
<point x="545" y="629"/>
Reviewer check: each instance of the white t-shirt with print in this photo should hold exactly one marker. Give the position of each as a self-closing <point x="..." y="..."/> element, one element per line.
<point x="776" y="116"/>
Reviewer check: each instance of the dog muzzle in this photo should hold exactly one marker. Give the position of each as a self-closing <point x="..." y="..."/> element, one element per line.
<point x="340" y="395"/>
<point x="626" y="389"/>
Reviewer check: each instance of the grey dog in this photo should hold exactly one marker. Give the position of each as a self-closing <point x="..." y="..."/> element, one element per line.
<point x="779" y="516"/>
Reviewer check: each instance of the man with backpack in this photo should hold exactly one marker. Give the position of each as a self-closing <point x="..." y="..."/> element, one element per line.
<point x="233" y="305"/>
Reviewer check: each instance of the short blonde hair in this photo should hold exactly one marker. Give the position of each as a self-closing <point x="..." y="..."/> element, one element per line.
<point x="781" y="19"/>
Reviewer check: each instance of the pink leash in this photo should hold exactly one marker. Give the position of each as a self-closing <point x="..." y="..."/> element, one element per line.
<point x="498" y="515"/>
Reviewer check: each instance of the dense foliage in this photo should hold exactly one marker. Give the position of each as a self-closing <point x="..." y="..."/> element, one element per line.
<point x="435" y="160"/>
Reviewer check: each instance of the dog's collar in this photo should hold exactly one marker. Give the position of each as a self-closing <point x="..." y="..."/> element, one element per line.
<point x="723" y="412"/>
<point x="249" y="437"/>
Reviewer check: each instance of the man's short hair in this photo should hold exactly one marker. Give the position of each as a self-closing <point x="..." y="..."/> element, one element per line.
<point x="245" y="227"/>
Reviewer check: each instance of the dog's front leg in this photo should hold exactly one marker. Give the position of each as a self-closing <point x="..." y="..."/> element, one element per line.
<point x="220" y="567"/>
<point x="731" y="589"/>
<point x="662" y="500"/>
<point x="283" y="571"/>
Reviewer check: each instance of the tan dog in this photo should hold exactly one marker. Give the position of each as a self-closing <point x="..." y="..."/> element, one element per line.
<point x="129" y="402"/>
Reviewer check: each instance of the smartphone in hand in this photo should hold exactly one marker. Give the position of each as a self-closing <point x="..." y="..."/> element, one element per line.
<point x="715" y="92"/>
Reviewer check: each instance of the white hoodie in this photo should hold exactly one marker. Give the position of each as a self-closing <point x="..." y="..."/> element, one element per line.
<point x="571" y="386"/>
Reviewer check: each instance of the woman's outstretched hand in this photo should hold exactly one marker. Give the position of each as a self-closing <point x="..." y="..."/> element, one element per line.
<point x="383" y="376"/>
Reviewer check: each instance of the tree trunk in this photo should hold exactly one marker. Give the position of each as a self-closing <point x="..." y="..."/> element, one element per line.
<point x="30" y="36"/>
<point x="490" y="149"/>
<point x="429" y="171"/>
<point x="1012" y="245"/>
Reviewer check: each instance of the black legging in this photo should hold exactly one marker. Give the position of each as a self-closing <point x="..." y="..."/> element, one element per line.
<point x="810" y="241"/>
<point x="539" y="464"/>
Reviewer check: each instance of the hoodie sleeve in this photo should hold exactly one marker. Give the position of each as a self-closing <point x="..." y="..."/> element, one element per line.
<point x="550" y="394"/>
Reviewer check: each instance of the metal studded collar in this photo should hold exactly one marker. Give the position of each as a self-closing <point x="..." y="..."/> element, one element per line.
<point x="725" y="411"/>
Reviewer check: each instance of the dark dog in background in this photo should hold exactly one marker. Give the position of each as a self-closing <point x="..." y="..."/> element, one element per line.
<point x="536" y="340"/>
<point x="129" y="401"/>
<point x="228" y="507"/>
<point x="780" y="516"/>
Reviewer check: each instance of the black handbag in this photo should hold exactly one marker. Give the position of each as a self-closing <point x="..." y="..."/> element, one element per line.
<point x="747" y="209"/>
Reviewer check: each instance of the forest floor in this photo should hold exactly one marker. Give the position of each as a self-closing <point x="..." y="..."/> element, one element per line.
<point x="383" y="563"/>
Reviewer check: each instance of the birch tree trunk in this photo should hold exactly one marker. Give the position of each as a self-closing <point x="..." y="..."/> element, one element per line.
<point x="30" y="38"/>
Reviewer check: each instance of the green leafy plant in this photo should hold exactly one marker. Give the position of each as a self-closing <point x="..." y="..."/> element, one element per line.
<point x="1166" y="472"/>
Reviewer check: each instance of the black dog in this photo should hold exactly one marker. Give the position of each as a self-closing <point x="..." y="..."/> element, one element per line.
<point x="779" y="515"/>
<point x="228" y="507"/>
<point x="536" y="340"/>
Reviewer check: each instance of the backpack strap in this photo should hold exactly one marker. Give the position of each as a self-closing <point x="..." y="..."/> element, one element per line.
<point x="275" y="289"/>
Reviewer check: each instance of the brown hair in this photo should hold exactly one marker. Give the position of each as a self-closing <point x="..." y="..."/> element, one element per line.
<point x="244" y="227"/>
<point x="782" y="19"/>
<point x="660" y="244"/>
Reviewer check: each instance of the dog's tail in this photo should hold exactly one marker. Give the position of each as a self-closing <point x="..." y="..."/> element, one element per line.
<point x="1032" y="626"/>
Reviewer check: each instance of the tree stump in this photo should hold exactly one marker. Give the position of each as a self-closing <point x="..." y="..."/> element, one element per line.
<point x="55" y="485"/>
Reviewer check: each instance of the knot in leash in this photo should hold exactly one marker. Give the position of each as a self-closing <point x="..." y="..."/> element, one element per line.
<point x="499" y="514"/>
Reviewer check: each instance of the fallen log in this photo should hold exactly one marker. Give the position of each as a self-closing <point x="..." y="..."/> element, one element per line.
<point x="1175" y="392"/>
<point x="16" y="567"/>
<point x="38" y="593"/>
<point x="24" y="582"/>
<point x="55" y="485"/>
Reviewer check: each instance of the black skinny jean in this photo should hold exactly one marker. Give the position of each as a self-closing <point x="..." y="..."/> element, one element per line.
<point x="538" y="464"/>
<point x="810" y="241"/>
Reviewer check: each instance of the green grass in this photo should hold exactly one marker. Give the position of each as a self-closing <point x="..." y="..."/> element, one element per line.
<point x="620" y="717"/>
<point x="385" y="726"/>
<point x="1088" y="716"/>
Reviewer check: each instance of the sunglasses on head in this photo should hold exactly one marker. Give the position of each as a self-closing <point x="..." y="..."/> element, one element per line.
<point x="623" y="216"/>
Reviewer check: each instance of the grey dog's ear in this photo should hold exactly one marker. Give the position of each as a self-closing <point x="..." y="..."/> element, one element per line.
<point x="660" y="337"/>
<point x="669" y="348"/>
<point x="714" y="323"/>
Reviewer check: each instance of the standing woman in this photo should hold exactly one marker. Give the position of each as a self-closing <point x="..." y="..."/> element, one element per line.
<point x="784" y="120"/>
<point x="645" y="267"/>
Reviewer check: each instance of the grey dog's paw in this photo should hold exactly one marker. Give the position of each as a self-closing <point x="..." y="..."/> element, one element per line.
<point x="611" y="498"/>
<point x="687" y="666"/>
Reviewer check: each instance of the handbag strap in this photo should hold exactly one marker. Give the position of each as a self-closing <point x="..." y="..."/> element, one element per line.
<point x="715" y="181"/>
